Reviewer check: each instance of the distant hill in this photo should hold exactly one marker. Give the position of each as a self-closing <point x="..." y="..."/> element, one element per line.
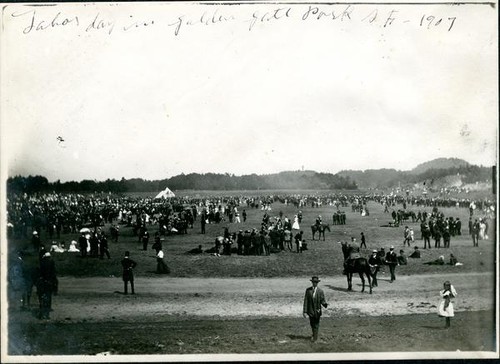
<point x="439" y="163"/>
<point x="373" y="178"/>
<point x="437" y="173"/>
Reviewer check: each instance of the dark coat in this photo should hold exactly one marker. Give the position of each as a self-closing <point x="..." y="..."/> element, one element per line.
<point x="128" y="266"/>
<point x="312" y="304"/>
<point x="391" y="258"/>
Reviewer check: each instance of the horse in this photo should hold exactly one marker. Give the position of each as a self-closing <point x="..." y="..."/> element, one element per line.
<point x="320" y="229"/>
<point x="357" y="265"/>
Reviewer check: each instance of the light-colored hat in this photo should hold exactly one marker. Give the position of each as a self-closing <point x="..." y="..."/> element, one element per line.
<point x="392" y="247"/>
<point x="375" y="251"/>
<point x="35" y="232"/>
<point x="47" y="254"/>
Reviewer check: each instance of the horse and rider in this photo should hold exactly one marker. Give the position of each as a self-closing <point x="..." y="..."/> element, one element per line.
<point x="355" y="263"/>
<point x="319" y="228"/>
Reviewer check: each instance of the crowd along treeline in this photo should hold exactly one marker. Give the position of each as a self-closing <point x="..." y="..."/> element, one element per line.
<point x="192" y="181"/>
<point x="344" y="180"/>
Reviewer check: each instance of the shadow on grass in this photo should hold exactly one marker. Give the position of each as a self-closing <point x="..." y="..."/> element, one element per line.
<point x="299" y="337"/>
<point x="334" y="288"/>
<point x="440" y="327"/>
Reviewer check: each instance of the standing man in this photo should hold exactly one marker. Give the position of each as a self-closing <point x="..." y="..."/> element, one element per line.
<point x="391" y="259"/>
<point x="203" y="222"/>
<point x="128" y="273"/>
<point x="46" y="285"/>
<point x="426" y="234"/>
<point x="298" y="241"/>
<point x="145" y="238"/>
<point x="36" y="241"/>
<point x="406" y="236"/>
<point x="103" y="246"/>
<point x="375" y="263"/>
<point x="161" y="267"/>
<point x="314" y="298"/>
<point x="363" y="240"/>
<point x="82" y="244"/>
<point x="475" y="233"/>
<point x="458" y="226"/>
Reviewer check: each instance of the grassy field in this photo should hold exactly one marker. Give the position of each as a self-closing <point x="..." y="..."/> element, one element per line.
<point x="133" y="331"/>
<point x="472" y="331"/>
<point x="323" y="257"/>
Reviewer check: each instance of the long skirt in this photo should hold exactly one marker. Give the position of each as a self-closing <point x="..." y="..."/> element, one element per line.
<point x="445" y="312"/>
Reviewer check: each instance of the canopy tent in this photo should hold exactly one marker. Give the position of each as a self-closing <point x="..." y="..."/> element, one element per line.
<point x="166" y="193"/>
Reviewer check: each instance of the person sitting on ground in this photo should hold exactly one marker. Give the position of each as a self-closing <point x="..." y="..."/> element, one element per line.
<point x="438" y="261"/>
<point x="454" y="260"/>
<point x="415" y="254"/>
<point x="73" y="248"/>
<point x="57" y="248"/>
<point x="402" y="260"/>
<point x="219" y="241"/>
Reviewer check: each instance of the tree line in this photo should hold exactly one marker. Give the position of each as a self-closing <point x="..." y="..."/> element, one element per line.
<point x="306" y="180"/>
<point x="192" y="181"/>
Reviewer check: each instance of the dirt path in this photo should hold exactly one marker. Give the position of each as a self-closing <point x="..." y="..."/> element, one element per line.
<point x="100" y="299"/>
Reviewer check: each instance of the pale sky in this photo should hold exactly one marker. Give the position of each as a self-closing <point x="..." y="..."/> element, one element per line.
<point x="221" y="97"/>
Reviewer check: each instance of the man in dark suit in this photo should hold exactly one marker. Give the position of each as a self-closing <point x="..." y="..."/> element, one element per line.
<point x="375" y="263"/>
<point x="82" y="244"/>
<point x="391" y="259"/>
<point x="363" y="240"/>
<point x="313" y="300"/>
<point x="128" y="273"/>
<point x="46" y="285"/>
<point x="415" y="254"/>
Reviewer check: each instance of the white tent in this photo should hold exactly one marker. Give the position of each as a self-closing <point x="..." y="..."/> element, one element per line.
<point x="166" y="193"/>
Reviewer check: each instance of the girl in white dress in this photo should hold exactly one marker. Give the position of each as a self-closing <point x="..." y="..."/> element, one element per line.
<point x="482" y="230"/>
<point x="295" y="225"/>
<point x="445" y="308"/>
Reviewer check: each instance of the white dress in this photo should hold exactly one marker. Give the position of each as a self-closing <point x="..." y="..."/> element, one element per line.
<point x="295" y="224"/>
<point x="448" y="311"/>
<point x="482" y="230"/>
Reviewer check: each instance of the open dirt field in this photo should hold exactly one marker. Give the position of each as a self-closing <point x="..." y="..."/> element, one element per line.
<point x="186" y="315"/>
<point x="253" y="304"/>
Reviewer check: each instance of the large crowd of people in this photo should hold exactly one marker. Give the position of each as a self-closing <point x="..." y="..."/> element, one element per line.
<point x="150" y="219"/>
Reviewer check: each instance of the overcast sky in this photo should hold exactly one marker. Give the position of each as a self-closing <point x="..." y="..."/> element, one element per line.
<point x="220" y="97"/>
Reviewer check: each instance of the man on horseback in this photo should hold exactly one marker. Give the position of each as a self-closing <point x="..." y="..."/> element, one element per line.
<point x="318" y="221"/>
<point x="351" y="256"/>
<point x="355" y="263"/>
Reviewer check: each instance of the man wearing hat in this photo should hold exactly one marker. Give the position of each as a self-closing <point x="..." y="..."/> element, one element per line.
<point x="313" y="300"/>
<point x="391" y="259"/>
<point x="375" y="263"/>
<point x="36" y="241"/>
<point x="415" y="254"/>
<point x="128" y="273"/>
<point x="46" y="285"/>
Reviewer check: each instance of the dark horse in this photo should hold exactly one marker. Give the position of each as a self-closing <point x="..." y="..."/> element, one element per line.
<point x="357" y="265"/>
<point x="320" y="229"/>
